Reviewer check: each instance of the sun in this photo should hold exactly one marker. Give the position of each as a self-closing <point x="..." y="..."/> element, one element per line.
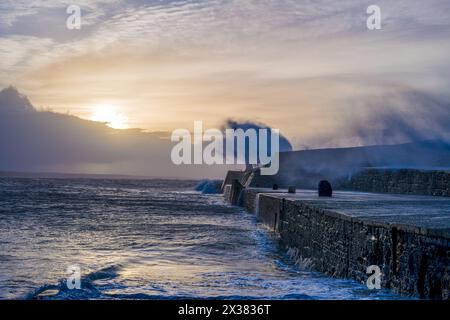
<point x="109" y="115"/>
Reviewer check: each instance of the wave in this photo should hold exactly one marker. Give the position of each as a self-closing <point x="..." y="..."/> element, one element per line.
<point x="141" y="296"/>
<point x="209" y="186"/>
<point x="88" y="289"/>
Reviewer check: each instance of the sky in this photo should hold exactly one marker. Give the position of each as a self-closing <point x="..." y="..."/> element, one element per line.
<point x="309" y="68"/>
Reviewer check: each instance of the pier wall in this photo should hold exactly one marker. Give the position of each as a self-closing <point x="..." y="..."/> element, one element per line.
<point x="250" y="198"/>
<point x="404" y="181"/>
<point x="249" y="201"/>
<point x="398" y="181"/>
<point x="412" y="261"/>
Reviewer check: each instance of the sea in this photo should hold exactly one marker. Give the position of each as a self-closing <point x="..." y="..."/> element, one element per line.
<point x="145" y="239"/>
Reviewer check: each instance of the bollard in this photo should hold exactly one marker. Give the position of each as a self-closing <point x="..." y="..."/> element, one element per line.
<point x="325" y="189"/>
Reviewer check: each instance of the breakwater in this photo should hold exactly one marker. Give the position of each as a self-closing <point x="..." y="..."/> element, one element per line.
<point x="401" y="181"/>
<point x="407" y="237"/>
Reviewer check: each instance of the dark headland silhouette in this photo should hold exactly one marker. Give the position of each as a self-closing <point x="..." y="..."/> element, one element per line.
<point x="48" y="142"/>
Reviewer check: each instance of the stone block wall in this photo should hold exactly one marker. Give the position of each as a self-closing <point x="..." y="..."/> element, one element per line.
<point x="227" y="193"/>
<point x="412" y="262"/>
<point x="403" y="181"/>
<point x="249" y="201"/>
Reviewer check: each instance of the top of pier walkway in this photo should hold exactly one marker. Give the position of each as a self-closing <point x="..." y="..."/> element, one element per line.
<point x="426" y="215"/>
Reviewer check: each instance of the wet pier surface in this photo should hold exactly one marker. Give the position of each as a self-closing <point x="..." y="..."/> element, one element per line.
<point x="427" y="215"/>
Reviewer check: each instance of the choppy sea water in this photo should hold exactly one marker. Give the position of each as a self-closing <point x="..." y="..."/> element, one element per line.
<point x="151" y="239"/>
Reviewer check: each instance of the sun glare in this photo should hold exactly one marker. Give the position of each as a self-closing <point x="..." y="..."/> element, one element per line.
<point x="109" y="115"/>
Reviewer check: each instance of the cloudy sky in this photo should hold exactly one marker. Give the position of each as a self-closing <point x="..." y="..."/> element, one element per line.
<point x="306" y="67"/>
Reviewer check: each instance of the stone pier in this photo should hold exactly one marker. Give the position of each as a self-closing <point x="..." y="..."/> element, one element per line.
<point x="407" y="237"/>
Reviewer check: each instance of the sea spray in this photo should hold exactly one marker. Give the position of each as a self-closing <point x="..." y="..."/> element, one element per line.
<point x="209" y="186"/>
<point x="257" y="205"/>
<point x="299" y="261"/>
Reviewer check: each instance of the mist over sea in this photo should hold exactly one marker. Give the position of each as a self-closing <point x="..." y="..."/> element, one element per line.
<point x="144" y="239"/>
